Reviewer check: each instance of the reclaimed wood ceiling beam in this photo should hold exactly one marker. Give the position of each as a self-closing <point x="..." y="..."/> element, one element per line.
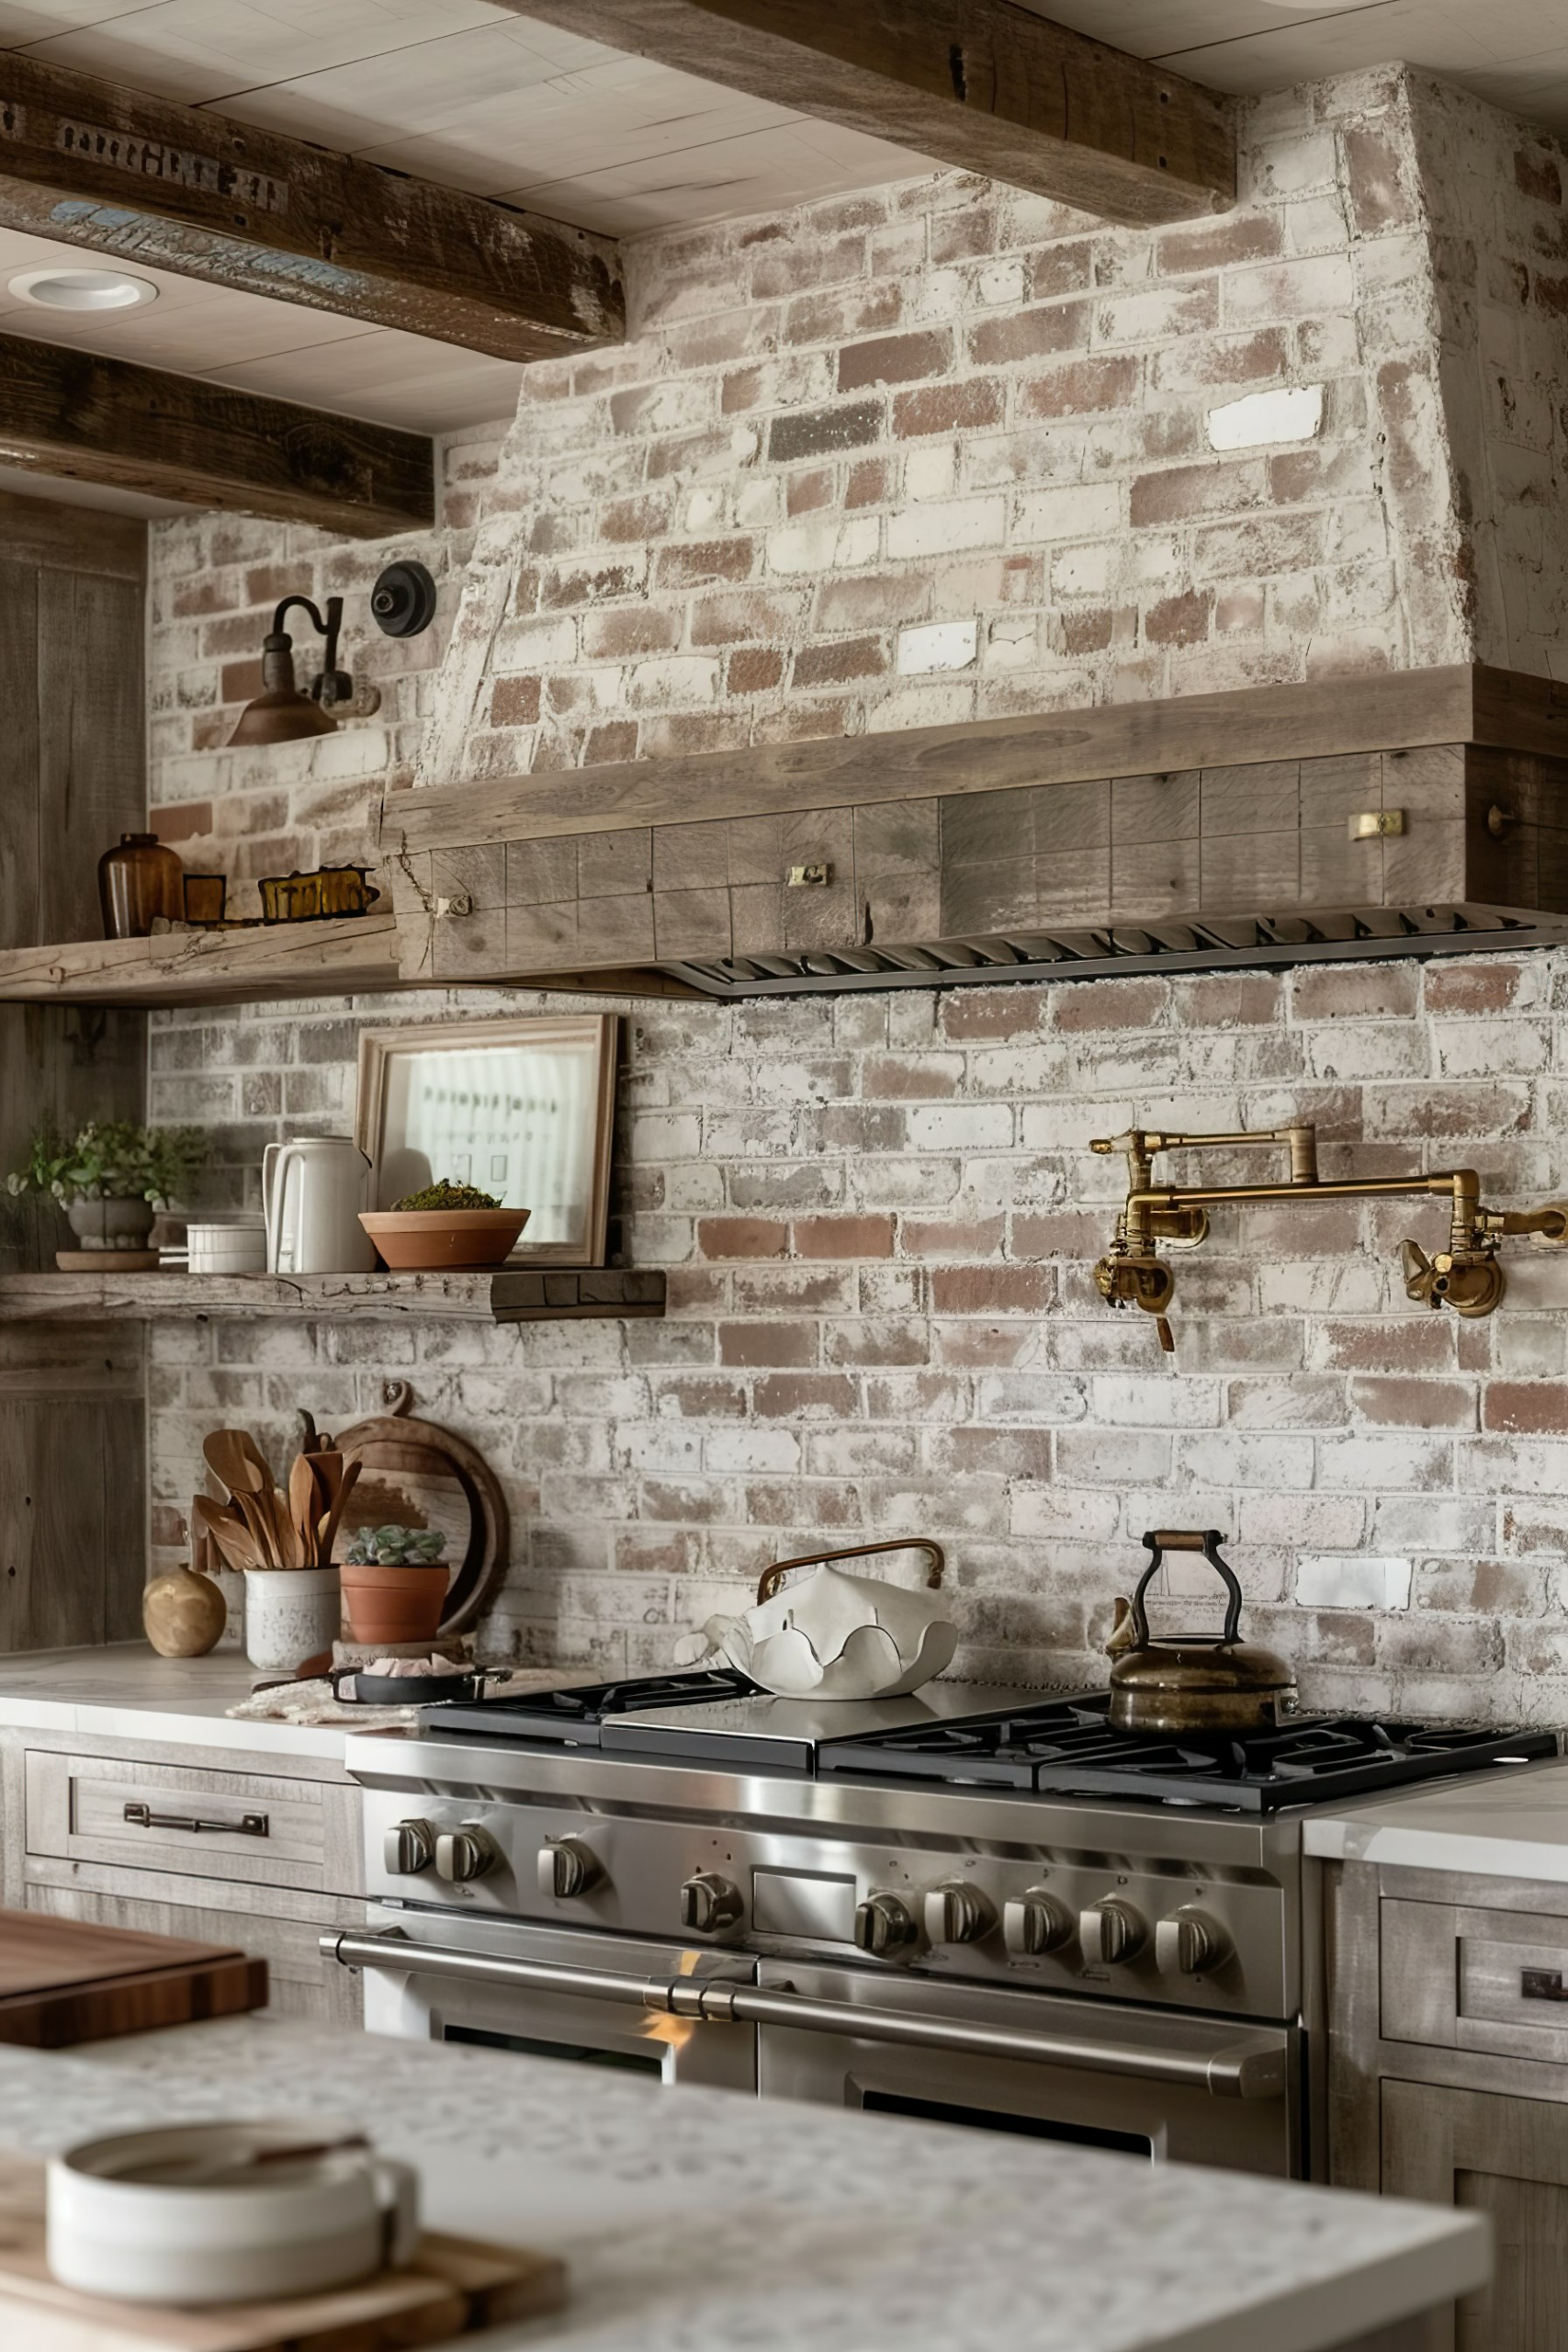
<point x="984" y="84"/>
<point x="99" y="419"/>
<point x="176" y="188"/>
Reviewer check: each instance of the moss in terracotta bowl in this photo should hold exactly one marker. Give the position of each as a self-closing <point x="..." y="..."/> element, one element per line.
<point x="446" y="1228"/>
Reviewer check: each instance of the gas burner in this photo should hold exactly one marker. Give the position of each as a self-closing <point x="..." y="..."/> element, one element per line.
<point x="573" y="1714"/>
<point x="1068" y="1747"/>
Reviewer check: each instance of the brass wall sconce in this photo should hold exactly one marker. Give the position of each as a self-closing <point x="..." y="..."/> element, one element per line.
<point x="403" y="604"/>
<point x="1465" y="1276"/>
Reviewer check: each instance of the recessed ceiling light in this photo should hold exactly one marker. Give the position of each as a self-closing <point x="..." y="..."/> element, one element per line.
<point x="83" y="289"/>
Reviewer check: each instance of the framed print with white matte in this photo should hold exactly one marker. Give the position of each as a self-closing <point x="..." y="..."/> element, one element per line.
<point x="522" y="1109"/>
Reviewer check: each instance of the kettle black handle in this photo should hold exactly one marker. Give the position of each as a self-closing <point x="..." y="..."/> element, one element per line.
<point x="1163" y="1540"/>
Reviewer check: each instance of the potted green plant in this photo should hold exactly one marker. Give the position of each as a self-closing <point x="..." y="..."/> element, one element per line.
<point x="111" y="1176"/>
<point x="395" y="1583"/>
<point x="446" y="1228"/>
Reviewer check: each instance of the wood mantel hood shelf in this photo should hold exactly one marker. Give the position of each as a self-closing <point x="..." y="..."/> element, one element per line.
<point x="1203" y="832"/>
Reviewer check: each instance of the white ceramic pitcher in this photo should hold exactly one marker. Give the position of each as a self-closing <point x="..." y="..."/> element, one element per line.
<point x="313" y="1188"/>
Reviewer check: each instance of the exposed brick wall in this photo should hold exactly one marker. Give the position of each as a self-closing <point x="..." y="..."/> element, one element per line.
<point x="879" y="1216"/>
<point x="946" y="405"/>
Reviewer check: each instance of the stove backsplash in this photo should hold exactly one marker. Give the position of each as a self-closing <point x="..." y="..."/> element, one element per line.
<point x="879" y="1214"/>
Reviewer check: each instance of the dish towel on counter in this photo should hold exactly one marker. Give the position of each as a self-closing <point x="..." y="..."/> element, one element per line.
<point x="315" y="1702"/>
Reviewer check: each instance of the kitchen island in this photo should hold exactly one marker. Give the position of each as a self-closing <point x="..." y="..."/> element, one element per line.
<point x="697" y="2222"/>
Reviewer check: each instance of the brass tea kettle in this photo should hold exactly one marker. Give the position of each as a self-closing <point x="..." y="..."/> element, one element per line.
<point x="1195" y="1682"/>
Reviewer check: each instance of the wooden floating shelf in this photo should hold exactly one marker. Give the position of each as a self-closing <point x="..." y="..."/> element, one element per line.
<point x="209" y="967"/>
<point x="512" y="1294"/>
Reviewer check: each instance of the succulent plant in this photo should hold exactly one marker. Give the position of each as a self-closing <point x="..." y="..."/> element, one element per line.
<point x="397" y="1547"/>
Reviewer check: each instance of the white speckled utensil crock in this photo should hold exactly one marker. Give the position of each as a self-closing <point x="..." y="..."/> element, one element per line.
<point x="291" y="1615"/>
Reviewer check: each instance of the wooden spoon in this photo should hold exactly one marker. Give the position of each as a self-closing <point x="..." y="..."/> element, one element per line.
<point x="328" y="1529"/>
<point x="231" y="1534"/>
<point x="303" y="1507"/>
<point x="231" y="1456"/>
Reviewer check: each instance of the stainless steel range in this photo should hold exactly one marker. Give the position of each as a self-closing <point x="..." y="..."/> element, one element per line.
<point x="977" y="1905"/>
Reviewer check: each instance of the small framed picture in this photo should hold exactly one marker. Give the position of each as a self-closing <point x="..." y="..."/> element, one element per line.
<point x="524" y="1109"/>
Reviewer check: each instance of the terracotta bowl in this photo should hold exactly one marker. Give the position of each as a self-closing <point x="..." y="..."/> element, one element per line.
<point x="441" y="1240"/>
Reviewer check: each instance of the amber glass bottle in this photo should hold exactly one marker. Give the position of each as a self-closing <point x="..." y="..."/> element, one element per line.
<point x="138" y="881"/>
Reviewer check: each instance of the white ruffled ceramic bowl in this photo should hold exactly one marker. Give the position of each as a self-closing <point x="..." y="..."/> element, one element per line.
<point x="832" y="1636"/>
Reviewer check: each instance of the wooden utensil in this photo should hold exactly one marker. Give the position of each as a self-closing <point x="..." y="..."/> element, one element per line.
<point x="303" y="1510"/>
<point x="230" y="1533"/>
<point x="231" y="1457"/>
<point x="349" y="1473"/>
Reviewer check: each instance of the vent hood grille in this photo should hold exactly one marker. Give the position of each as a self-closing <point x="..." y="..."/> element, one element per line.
<point x="1220" y="943"/>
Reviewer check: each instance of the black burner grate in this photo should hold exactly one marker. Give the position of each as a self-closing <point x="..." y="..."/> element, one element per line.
<point x="575" y="1714"/>
<point x="1068" y="1747"/>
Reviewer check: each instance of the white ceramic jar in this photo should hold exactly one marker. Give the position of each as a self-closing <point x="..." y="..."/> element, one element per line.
<point x="228" y="1245"/>
<point x="291" y="1615"/>
<point x="186" y="2215"/>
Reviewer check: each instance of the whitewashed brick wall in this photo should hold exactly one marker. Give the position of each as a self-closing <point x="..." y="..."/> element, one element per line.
<point x="879" y="1216"/>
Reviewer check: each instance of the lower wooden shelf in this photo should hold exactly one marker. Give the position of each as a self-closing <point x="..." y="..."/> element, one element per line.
<point x="276" y="960"/>
<point x="512" y="1294"/>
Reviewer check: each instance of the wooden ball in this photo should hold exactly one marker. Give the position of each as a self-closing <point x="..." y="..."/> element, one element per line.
<point x="183" y="1614"/>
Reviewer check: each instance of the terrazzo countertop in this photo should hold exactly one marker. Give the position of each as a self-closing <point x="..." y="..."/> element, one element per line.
<point x="1514" y="1825"/>
<point x="127" y="1692"/>
<point x="698" y="2221"/>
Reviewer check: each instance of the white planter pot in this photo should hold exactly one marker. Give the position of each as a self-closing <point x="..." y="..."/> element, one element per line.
<point x="291" y="1614"/>
<point x="111" y="1225"/>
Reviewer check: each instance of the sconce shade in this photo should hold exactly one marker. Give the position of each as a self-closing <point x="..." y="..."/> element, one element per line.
<point x="281" y="713"/>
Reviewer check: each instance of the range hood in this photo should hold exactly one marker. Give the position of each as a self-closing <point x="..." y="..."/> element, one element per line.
<point x="1419" y="813"/>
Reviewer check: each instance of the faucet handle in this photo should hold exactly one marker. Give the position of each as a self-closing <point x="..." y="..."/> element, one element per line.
<point x="1420" y="1275"/>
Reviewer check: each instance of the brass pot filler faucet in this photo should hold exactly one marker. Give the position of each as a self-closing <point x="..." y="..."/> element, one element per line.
<point x="1465" y="1276"/>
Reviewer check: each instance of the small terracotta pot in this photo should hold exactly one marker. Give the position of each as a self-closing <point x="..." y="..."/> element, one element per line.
<point x="388" y="1603"/>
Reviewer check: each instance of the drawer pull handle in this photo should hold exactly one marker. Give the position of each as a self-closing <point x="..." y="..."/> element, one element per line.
<point x="249" y="1824"/>
<point x="1543" y="1984"/>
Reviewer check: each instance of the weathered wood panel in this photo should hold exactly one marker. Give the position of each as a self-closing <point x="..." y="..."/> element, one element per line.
<point x="984" y="84"/>
<point x="67" y="412"/>
<point x="274" y="960"/>
<point x="72" y="1516"/>
<point x="144" y="179"/>
<point x="512" y="1295"/>
<point x="1232" y="730"/>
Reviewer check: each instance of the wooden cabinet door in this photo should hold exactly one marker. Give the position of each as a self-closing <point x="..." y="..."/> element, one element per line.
<point x="1507" y="2158"/>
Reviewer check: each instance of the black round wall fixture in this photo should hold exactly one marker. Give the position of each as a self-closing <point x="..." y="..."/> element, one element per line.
<point x="403" y="600"/>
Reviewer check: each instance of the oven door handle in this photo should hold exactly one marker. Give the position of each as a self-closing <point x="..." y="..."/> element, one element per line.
<point x="1250" y="2066"/>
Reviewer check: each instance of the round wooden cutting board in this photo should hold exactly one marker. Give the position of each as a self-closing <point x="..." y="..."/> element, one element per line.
<point x="415" y="1474"/>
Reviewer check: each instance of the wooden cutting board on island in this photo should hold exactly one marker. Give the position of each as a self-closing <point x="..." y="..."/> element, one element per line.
<point x="63" y="1981"/>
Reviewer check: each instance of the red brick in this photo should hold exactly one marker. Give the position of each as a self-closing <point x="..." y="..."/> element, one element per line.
<point x="742" y="1237"/>
<point x="706" y="560"/>
<point x="1244" y="236"/>
<point x="1062" y="1233"/>
<point x="839" y="660"/>
<point x="754" y="669"/>
<point x="813" y="1395"/>
<point x="1231" y="1000"/>
<point x="872" y="482"/>
<point x="1030" y="334"/>
<point x="1081" y="633"/>
<point x="843" y="1237"/>
<point x="629" y="630"/>
<point x="817" y="431"/>
<point x="515" y="702"/>
<point x="564" y="590"/>
<point x="1065" y="267"/>
<point x="991" y="1290"/>
<point x="1081" y="388"/>
<point x="1378" y="992"/>
<point x="894" y="359"/>
<point x="1184" y="491"/>
<point x="1413" y="1403"/>
<point x="1109" y="1004"/>
<point x="612" y="743"/>
<point x="948" y="408"/>
<point x="808" y="494"/>
<point x="924" y="1237"/>
<point x="1483" y="985"/>
<point x="1533" y="1407"/>
<point x="989" y="1014"/>
<point x="767" y="1344"/>
<point x="1181" y="620"/>
<point x="1378" y="202"/>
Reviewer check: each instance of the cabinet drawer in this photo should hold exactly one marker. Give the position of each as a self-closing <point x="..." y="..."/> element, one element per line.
<point x="191" y="1821"/>
<point x="1454" y="1977"/>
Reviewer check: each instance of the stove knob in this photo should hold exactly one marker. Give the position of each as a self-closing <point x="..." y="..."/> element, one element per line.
<point x="1189" y="1942"/>
<point x="466" y="1853"/>
<point x="567" y="1867"/>
<point x="1035" y="1922"/>
<point x="883" y="1924"/>
<point x="408" y="1846"/>
<point x="1110" y="1932"/>
<point x="709" y="1905"/>
<point x="957" y="1913"/>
